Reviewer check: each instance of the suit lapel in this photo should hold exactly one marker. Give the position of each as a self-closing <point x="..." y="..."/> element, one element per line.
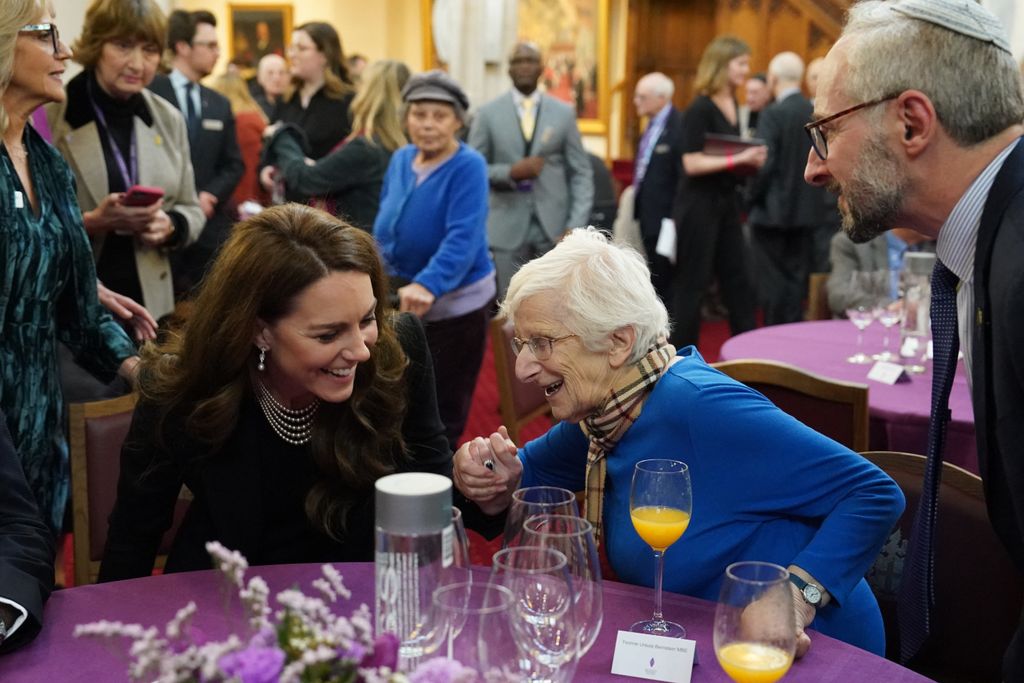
<point x="86" y="150"/>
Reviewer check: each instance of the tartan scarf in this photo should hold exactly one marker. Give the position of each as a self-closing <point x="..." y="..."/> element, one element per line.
<point x="620" y="411"/>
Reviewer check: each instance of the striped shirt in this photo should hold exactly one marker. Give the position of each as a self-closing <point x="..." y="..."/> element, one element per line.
<point x="958" y="238"/>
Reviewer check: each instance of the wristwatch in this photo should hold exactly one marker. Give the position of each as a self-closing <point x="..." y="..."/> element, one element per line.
<point x="811" y="593"/>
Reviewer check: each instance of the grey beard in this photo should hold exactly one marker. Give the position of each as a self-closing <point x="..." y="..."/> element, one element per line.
<point x="874" y="193"/>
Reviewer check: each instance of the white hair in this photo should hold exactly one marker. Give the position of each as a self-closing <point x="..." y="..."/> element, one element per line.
<point x="604" y="286"/>
<point x="660" y="84"/>
<point x="787" y="67"/>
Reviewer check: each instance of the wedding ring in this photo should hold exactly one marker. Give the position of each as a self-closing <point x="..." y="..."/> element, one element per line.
<point x="489" y="464"/>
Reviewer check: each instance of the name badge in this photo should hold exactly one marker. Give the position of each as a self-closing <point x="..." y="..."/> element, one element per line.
<point x="213" y="124"/>
<point x="661" y="149"/>
<point x="655" y="658"/>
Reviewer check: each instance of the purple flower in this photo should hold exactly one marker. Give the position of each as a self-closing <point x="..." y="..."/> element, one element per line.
<point x="438" y="670"/>
<point x="254" y="664"/>
<point x="355" y="653"/>
<point x="265" y="637"/>
<point x="385" y="653"/>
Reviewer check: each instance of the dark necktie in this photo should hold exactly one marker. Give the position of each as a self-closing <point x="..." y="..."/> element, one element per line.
<point x="917" y="588"/>
<point x="193" y="115"/>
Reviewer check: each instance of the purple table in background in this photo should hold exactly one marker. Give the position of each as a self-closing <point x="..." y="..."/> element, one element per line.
<point x="899" y="413"/>
<point x="56" y="656"/>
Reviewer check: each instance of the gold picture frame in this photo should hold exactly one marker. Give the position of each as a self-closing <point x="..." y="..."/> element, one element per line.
<point x="258" y="30"/>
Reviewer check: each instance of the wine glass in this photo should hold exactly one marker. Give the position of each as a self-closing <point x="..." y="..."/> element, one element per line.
<point x="864" y="284"/>
<point x="474" y="628"/>
<point x="543" y="613"/>
<point x="536" y="500"/>
<point x="574" y="538"/>
<point x="460" y="547"/>
<point x="660" y="502"/>
<point x="889" y="315"/>
<point x="755" y="630"/>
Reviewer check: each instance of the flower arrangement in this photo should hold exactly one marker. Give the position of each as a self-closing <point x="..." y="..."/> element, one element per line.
<point x="303" y="641"/>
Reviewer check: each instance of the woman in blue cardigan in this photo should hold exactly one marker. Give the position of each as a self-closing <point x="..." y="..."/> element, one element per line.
<point x="592" y="332"/>
<point x="432" y="232"/>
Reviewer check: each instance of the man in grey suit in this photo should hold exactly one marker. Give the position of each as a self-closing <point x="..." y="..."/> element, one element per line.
<point x="541" y="179"/>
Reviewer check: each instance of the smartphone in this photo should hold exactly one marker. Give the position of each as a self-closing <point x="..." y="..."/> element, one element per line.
<point x="142" y="195"/>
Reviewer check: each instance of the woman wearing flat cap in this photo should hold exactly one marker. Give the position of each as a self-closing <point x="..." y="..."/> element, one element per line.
<point x="432" y="232"/>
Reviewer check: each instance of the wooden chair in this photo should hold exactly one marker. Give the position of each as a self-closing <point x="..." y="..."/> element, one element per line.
<point x="817" y="297"/>
<point x="978" y="591"/>
<point x="518" y="403"/>
<point x="836" y="409"/>
<point x="97" y="430"/>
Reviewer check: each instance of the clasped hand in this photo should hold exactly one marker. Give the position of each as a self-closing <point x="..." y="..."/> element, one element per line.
<point x="491" y="489"/>
<point x="150" y="224"/>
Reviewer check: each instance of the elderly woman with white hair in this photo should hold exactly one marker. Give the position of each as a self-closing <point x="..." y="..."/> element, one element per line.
<point x="592" y="332"/>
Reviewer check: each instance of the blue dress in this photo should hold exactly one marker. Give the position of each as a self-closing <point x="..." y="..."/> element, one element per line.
<point x="47" y="293"/>
<point x="765" y="487"/>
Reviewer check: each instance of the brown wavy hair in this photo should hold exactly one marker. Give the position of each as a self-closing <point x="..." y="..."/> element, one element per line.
<point x="713" y="68"/>
<point x="337" y="81"/>
<point x="203" y="372"/>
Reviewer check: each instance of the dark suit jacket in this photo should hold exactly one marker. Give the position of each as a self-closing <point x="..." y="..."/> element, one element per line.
<point x="780" y="197"/>
<point x="26" y="545"/>
<point x="656" y="191"/>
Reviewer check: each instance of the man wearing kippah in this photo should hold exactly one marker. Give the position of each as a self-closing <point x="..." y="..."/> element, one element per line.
<point x="917" y="123"/>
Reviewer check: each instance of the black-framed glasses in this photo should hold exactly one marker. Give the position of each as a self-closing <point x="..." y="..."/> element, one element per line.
<point x="540" y="347"/>
<point x="818" y="140"/>
<point x="48" y="28"/>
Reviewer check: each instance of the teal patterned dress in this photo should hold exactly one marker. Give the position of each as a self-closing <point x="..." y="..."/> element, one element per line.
<point x="47" y="293"/>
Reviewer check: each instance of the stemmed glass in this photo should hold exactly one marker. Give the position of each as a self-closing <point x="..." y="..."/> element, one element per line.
<point x="755" y="631"/>
<point x="660" y="503"/>
<point x="473" y="627"/>
<point x="889" y="314"/>
<point x="865" y="284"/>
<point x="574" y="538"/>
<point x="543" y="614"/>
<point x="460" y="547"/>
<point x="536" y="500"/>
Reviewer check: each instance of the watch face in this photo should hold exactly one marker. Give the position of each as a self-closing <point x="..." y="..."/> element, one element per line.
<point x="812" y="594"/>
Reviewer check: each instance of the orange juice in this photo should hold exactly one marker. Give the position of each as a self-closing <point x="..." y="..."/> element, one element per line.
<point x="659" y="526"/>
<point x="754" y="662"/>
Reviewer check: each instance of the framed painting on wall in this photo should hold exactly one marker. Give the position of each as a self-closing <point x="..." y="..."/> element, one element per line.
<point x="258" y="30"/>
<point x="573" y="37"/>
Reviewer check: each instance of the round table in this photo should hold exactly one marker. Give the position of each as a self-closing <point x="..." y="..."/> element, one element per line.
<point x="899" y="412"/>
<point x="152" y="601"/>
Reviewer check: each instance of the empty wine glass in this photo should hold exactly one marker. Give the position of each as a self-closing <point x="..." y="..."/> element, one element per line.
<point x="660" y="503"/>
<point x="473" y="627"/>
<point x="866" y="286"/>
<point x="889" y="315"/>
<point x="460" y="547"/>
<point x="755" y="630"/>
<point x="536" y="500"/>
<point x="574" y="538"/>
<point x="543" y="613"/>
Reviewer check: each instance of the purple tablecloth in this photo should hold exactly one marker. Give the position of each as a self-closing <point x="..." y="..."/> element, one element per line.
<point x="899" y="413"/>
<point x="56" y="656"/>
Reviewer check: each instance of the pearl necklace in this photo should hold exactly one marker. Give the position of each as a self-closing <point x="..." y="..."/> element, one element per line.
<point x="294" y="426"/>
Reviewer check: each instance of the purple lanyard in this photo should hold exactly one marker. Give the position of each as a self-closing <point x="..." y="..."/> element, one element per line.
<point x="128" y="178"/>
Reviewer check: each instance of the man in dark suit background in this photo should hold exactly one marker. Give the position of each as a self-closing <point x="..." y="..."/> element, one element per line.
<point x="926" y="103"/>
<point x="26" y="552"/>
<point x="216" y="159"/>
<point x="784" y="209"/>
<point x="659" y="161"/>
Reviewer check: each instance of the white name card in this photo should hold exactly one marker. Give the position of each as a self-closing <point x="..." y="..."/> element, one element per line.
<point x="655" y="658"/>
<point x="888" y="373"/>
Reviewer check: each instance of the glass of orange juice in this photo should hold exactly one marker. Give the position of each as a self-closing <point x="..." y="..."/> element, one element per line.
<point x="660" y="502"/>
<point x="755" y="631"/>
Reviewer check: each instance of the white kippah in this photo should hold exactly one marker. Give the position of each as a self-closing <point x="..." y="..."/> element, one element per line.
<point x="966" y="17"/>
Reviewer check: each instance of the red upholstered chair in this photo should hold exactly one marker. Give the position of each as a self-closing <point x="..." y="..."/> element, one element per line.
<point x="518" y="403"/>
<point x="978" y="591"/>
<point x="97" y="430"/>
<point x="836" y="409"/>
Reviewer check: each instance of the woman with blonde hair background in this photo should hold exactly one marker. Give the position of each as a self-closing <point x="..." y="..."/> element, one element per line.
<point x="250" y="120"/>
<point x="709" y="240"/>
<point x="347" y="182"/>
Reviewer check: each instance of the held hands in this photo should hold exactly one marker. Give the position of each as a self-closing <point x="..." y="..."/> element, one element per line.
<point x="526" y="168"/>
<point x="112" y="215"/>
<point x="491" y="489"/>
<point x="158" y="230"/>
<point x="136" y="316"/>
<point x="415" y="298"/>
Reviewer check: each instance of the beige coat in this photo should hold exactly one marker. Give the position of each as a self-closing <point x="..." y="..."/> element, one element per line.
<point x="164" y="161"/>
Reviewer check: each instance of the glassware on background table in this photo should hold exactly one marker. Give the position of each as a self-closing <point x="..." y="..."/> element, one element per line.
<point x="460" y="547"/>
<point x="536" y="500"/>
<point x="574" y="538"/>
<point x="755" y="630"/>
<point x="660" y="503"/>
<point x="888" y="316"/>
<point x="473" y="627"/>
<point x="543" y="612"/>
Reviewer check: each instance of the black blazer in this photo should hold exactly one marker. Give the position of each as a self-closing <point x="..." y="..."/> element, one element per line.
<point x="26" y="545"/>
<point x="780" y="197"/>
<point x="656" y="191"/>
<point x="243" y="492"/>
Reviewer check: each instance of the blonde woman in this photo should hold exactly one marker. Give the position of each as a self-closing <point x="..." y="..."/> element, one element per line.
<point x="249" y="124"/>
<point x="347" y="181"/>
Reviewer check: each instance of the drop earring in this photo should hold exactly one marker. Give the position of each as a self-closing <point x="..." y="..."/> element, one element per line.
<point x="261" y="365"/>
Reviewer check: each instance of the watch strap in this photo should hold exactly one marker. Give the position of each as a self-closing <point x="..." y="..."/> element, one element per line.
<point x="802" y="587"/>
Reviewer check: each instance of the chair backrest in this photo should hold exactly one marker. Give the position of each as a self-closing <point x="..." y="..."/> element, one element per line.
<point x="836" y="409"/>
<point x="518" y="403"/>
<point x="97" y="431"/>
<point x="978" y="590"/>
<point x="817" y="297"/>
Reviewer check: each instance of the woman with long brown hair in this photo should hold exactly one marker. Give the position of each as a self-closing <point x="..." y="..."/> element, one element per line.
<point x="289" y="391"/>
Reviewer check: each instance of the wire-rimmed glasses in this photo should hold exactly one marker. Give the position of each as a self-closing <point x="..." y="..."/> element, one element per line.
<point x="540" y="347"/>
<point x="818" y="139"/>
